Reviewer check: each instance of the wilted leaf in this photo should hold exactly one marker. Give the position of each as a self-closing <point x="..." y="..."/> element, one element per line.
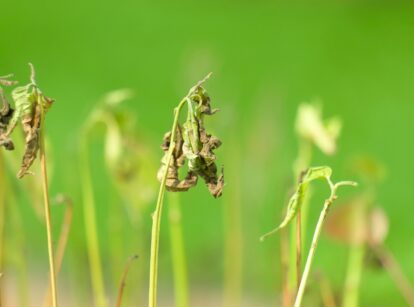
<point x="6" y="113"/>
<point x="30" y="107"/>
<point x="196" y="146"/>
<point x="295" y="202"/>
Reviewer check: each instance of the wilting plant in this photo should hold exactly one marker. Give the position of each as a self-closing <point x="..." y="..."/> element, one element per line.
<point x="294" y="206"/>
<point x="30" y="108"/>
<point x="312" y="130"/>
<point x="128" y="161"/>
<point x="188" y="142"/>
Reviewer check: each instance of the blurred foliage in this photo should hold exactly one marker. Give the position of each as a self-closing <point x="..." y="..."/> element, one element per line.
<point x="267" y="58"/>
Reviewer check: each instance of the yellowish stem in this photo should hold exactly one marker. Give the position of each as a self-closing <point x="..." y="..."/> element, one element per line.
<point x="48" y="221"/>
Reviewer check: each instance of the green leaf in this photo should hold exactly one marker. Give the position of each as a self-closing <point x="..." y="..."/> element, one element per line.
<point x="296" y="201"/>
<point x="318" y="172"/>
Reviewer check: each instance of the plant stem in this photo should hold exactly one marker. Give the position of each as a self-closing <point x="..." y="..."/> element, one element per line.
<point x="233" y="257"/>
<point x="284" y="259"/>
<point x="156" y="217"/>
<point x="311" y="254"/>
<point x="353" y="276"/>
<point x="20" y="243"/>
<point x="89" y="214"/>
<point x="316" y="236"/>
<point x="123" y="280"/>
<point x="298" y="247"/>
<point x="63" y="239"/>
<point x="2" y="220"/>
<point x="47" y="214"/>
<point x="396" y="273"/>
<point x="298" y="229"/>
<point x="178" y="251"/>
<point x="328" y="298"/>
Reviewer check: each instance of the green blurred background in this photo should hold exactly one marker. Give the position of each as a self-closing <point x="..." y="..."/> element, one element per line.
<point x="267" y="57"/>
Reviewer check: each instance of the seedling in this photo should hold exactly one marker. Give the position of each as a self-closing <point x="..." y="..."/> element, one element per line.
<point x="295" y="203"/>
<point x="191" y="143"/>
<point x="30" y="108"/>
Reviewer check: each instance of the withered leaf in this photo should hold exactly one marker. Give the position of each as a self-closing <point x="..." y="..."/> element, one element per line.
<point x="6" y="113"/>
<point x="194" y="145"/>
<point x="173" y="183"/>
<point x="31" y="105"/>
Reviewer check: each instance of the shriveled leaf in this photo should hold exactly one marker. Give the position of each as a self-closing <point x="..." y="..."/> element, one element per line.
<point x="196" y="146"/>
<point x="30" y="107"/>
<point x="173" y="182"/>
<point x="6" y="113"/>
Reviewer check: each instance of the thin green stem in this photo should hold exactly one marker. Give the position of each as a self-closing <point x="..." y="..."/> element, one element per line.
<point x="311" y="254"/>
<point x="156" y="217"/>
<point x="233" y="253"/>
<point x="18" y="239"/>
<point x="297" y="229"/>
<point x="178" y="251"/>
<point x="89" y="214"/>
<point x="356" y="256"/>
<point x="2" y="220"/>
<point x="53" y="285"/>
<point x="353" y="276"/>
<point x="316" y="236"/>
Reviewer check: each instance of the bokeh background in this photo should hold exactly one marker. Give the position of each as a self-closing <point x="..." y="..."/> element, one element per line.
<point x="266" y="57"/>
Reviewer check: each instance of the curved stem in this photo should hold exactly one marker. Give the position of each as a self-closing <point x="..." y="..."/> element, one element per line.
<point x="316" y="236"/>
<point x="156" y="217"/>
<point x="123" y="280"/>
<point x="311" y="254"/>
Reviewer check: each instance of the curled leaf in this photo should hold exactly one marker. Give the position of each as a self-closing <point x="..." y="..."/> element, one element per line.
<point x="295" y="202"/>
<point x="30" y="107"/>
<point x="6" y="113"/>
<point x="173" y="183"/>
<point x="196" y="146"/>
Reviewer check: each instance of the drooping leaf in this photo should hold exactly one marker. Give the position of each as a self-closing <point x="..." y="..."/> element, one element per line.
<point x="30" y="107"/>
<point x="196" y="147"/>
<point x="296" y="201"/>
<point x="6" y="113"/>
